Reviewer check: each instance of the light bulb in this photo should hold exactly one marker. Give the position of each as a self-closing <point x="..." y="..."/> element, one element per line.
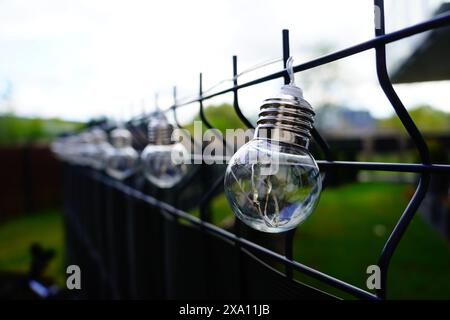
<point x="57" y="148"/>
<point x="84" y="149"/>
<point x="75" y="149"/>
<point x="273" y="183"/>
<point x="163" y="161"/>
<point x="122" y="161"/>
<point x="101" y="149"/>
<point x="68" y="149"/>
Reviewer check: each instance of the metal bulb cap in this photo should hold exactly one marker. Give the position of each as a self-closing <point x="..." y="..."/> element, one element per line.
<point x="286" y="118"/>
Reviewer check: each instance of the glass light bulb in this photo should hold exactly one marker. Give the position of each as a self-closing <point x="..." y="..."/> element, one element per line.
<point x="85" y="149"/>
<point x="101" y="149"/>
<point x="163" y="161"/>
<point x="69" y="149"/>
<point x="273" y="183"/>
<point x="122" y="160"/>
<point x="164" y="165"/>
<point x="57" y="148"/>
<point x="271" y="186"/>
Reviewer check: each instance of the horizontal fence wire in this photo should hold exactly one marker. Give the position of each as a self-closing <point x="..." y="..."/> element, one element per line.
<point x="424" y="168"/>
<point x="209" y="227"/>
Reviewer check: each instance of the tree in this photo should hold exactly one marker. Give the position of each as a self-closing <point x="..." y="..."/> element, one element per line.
<point x="221" y="116"/>
<point x="426" y="118"/>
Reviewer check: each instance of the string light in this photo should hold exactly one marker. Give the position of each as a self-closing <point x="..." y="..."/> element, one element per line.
<point x="273" y="183"/>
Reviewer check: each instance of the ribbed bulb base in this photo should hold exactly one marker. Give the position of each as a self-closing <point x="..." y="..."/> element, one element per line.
<point x="159" y="130"/>
<point x="287" y="118"/>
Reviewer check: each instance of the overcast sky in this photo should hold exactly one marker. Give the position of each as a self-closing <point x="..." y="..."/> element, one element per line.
<point x="83" y="58"/>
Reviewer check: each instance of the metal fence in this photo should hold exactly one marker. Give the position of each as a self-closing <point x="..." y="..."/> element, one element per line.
<point x="132" y="241"/>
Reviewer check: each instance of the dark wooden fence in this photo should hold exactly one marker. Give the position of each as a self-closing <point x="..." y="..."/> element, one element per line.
<point x="30" y="180"/>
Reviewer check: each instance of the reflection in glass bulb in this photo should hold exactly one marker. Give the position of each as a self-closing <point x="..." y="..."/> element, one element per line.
<point x="164" y="165"/>
<point x="272" y="186"/>
<point x="122" y="160"/>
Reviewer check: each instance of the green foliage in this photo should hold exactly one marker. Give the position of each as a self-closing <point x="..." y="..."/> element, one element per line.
<point x="16" y="130"/>
<point x="426" y="118"/>
<point x="221" y="117"/>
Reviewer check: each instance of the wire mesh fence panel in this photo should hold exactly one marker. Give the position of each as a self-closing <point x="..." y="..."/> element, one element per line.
<point x="135" y="241"/>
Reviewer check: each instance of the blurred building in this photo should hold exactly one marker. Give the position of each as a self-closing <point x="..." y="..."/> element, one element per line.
<point x="428" y="58"/>
<point x="337" y="120"/>
<point x="401" y="14"/>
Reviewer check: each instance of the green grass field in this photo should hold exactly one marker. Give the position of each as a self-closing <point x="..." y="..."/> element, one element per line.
<point x="347" y="231"/>
<point x="349" y="228"/>
<point x="16" y="236"/>
<point x="342" y="237"/>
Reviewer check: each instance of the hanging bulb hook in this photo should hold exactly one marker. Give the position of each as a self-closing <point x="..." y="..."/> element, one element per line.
<point x="290" y="70"/>
<point x="291" y="88"/>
